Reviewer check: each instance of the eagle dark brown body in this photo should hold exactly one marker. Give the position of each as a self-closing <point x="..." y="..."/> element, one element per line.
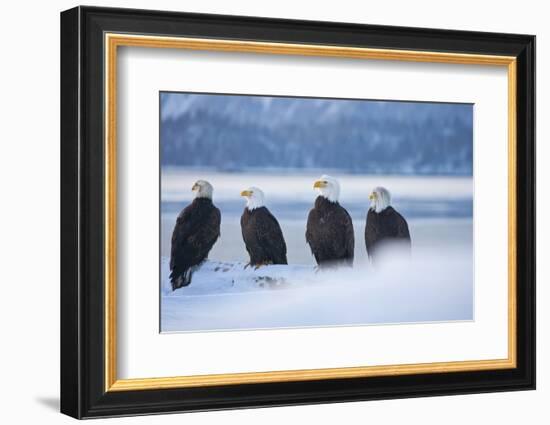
<point x="329" y="233"/>
<point x="263" y="237"/>
<point x="384" y="228"/>
<point x="197" y="229"/>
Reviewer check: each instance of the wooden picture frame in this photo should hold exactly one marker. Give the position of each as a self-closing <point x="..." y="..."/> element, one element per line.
<point x="90" y="38"/>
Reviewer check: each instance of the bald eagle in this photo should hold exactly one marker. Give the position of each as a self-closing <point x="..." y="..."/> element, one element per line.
<point x="385" y="226"/>
<point x="262" y="234"/>
<point x="197" y="229"/>
<point x="329" y="231"/>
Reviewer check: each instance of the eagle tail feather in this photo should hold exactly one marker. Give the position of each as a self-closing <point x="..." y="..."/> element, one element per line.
<point x="181" y="279"/>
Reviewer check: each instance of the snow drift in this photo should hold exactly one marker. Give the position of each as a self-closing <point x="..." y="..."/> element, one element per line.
<point x="227" y="296"/>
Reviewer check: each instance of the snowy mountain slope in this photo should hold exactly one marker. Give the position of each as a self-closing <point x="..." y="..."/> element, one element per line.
<point x="243" y="132"/>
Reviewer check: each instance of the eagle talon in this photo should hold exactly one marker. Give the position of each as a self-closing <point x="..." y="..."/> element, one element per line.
<point x="263" y="263"/>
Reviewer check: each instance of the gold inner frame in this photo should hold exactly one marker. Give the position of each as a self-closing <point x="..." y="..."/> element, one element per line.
<point x="113" y="41"/>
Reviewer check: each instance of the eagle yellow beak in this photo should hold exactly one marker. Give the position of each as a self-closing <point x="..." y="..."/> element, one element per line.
<point x="195" y="187"/>
<point x="246" y="193"/>
<point x="319" y="184"/>
<point x="372" y="196"/>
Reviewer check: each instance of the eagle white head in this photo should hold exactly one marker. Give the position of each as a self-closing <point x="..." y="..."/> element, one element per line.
<point x="202" y="189"/>
<point x="254" y="198"/>
<point x="328" y="187"/>
<point x="380" y="199"/>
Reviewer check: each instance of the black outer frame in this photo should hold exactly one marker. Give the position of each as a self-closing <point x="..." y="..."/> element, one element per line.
<point x="82" y="205"/>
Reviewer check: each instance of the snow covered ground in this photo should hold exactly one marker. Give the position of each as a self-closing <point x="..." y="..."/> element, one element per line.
<point x="226" y="296"/>
<point x="435" y="285"/>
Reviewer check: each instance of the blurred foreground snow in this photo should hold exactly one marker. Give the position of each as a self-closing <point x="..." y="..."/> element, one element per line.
<point x="226" y="296"/>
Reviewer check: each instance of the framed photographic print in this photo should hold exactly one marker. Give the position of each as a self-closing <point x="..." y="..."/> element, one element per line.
<point x="261" y="212"/>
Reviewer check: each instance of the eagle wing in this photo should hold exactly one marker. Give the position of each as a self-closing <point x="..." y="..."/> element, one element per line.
<point x="270" y="236"/>
<point x="388" y="225"/>
<point x="340" y="230"/>
<point x="402" y="228"/>
<point x="194" y="235"/>
<point x="310" y="233"/>
<point x="349" y="234"/>
<point x="371" y="233"/>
